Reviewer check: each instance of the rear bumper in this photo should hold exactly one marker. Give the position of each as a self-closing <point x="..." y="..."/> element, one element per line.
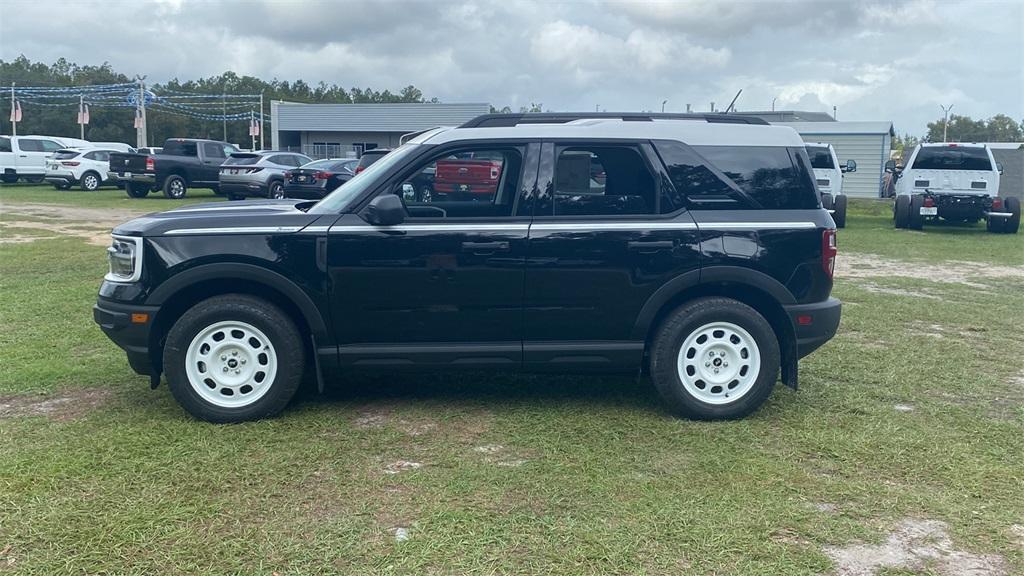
<point x="304" y="191"/>
<point x="244" y="188"/>
<point x="141" y="178"/>
<point x="60" y="178"/>
<point x="814" y="324"/>
<point x="115" y="319"/>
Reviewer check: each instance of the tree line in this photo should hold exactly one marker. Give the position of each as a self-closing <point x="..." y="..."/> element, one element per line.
<point x="108" y="124"/>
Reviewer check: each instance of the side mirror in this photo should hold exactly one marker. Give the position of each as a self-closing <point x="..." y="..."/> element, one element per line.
<point x="999" y="168"/>
<point x="385" y="210"/>
<point x="890" y="166"/>
<point x="851" y="166"/>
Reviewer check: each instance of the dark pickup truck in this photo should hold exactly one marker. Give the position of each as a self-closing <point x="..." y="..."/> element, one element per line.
<point x="182" y="163"/>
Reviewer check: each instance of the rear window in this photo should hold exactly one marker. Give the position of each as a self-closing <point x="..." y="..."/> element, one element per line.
<point x="65" y="154"/>
<point x="820" y="157"/>
<point x="242" y="160"/>
<point x="952" y="158"/>
<point x="774" y="178"/>
<point x="370" y="157"/>
<point x="178" y="148"/>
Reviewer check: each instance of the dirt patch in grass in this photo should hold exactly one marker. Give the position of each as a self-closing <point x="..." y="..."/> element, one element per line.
<point x="500" y="455"/>
<point x="63" y="406"/>
<point x="91" y="224"/>
<point x="914" y="545"/>
<point x="854" y="265"/>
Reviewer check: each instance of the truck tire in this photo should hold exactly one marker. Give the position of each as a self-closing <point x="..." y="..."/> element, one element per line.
<point x="175" y="187"/>
<point x="233" y="358"/>
<point x="714" y="359"/>
<point x="136" y="190"/>
<point x="914" y="220"/>
<point x="826" y="201"/>
<point x="90" y="182"/>
<point x="901" y="210"/>
<point x="9" y="178"/>
<point x="839" y="205"/>
<point x="1012" y="224"/>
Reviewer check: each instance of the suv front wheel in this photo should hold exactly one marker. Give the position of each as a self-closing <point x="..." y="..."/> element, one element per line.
<point x="233" y="358"/>
<point x="714" y="359"/>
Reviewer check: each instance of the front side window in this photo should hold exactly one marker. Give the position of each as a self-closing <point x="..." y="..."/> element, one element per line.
<point x="464" y="184"/>
<point x="821" y="157"/>
<point x="342" y="197"/>
<point x="602" y="181"/>
<point x="213" y="150"/>
<point x="952" y="158"/>
<point x="772" y="176"/>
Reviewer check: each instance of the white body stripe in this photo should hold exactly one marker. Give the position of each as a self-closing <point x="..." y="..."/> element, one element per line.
<point x="236" y="230"/>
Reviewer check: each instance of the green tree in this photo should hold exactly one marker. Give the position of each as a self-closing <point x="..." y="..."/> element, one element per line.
<point x="999" y="128"/>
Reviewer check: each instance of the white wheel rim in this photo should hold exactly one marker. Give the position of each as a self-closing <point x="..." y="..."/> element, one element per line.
<point x="90" y="181"/>
<point x="231" y="364"/>
<point x="719" y="363"/>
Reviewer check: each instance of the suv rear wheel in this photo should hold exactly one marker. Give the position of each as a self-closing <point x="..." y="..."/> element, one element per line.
<point x="714" y="359"/>
<point x="90" y="182"/>
<point x="233" y="358"/>
<point x="275" y="190"/>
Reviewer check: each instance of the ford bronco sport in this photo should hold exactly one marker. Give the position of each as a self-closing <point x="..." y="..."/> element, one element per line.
<point x="702" y="258"/>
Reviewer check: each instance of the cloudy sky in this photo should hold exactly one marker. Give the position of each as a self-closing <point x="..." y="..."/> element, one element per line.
<point x="876" y="60"/>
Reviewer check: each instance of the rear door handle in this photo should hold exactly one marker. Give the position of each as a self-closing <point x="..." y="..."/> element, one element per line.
<point x="650" y="246"/>
<point x="485" y="247"/>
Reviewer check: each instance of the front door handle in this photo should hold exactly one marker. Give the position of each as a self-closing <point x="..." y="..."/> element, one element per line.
<point x="650" y="246"/>
<point x="485" y="247"/>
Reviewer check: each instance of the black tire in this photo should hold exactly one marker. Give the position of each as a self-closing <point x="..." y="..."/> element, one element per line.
<point x="9" y="178"/>
<point x="275" y="325"/>
<point x="826" y="201"/>
<point x="839" y="216"/>
<point x="995" y="224"/>
<point x="914" y="220"/>
<point x="235" y="197"/>
<point x="1012" y="224"/>
<point x="61" y="186"/>
<point x="275" y="190"/>
<point x="136" y="190"/>
<point x="901" y="210"/>
<point x="691" y="318"/>
<point x="175" y="187"/>
<point x="90" y="182"/>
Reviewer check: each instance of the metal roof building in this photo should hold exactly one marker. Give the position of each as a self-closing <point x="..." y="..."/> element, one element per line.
<point x="338" y="130"/>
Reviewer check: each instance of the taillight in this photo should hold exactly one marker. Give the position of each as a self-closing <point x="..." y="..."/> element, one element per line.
<point x="829" y="251"/>
<point x="360" y="168"/>
<point x="150" y="164"/>
<point x="997" y="203"/>
<point x="68" y="163"/>
<point x="321" y="175"/>
<point x="287" y="175"/>
<point x="929" y="202"/>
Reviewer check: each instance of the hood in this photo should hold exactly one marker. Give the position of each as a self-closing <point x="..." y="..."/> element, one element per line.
<point x="255" y="217"/>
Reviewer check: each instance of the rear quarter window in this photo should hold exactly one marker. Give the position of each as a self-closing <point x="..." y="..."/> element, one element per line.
<point x="774" y="178"/>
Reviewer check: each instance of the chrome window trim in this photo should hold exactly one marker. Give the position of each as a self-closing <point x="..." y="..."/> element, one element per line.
<point x="234" y="230"/>
<point x="565" y="227"/>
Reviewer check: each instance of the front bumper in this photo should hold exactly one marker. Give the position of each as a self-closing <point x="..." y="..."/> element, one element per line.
<point x="814" y="324"/>
<point x="120" y="322"/>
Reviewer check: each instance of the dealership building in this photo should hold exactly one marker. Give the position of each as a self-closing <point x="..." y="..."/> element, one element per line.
<point x="342" y="130"/>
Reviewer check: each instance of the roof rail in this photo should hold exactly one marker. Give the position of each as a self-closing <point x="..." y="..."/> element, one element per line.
<point x="508" y="120"/>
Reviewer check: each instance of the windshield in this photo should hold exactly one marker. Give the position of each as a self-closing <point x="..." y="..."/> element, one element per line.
<point x="820" y="157"/>
<point x="337" y="201"/>
<point x="952" y="158"/>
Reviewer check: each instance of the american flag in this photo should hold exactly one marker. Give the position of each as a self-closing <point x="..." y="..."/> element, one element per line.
<point x="254" y="127"/>
<point x="83" y="114"/>
<point x="16" y="111"/>
<point x="138" y="118"/>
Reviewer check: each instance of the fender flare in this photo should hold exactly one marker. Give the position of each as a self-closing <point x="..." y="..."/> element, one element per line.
<point x="708" y="275"/>
<point x="250" y="272"/>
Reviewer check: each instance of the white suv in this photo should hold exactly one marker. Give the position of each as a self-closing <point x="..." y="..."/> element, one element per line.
<point x="85" y="167"/>
<point x="828" y="176"/>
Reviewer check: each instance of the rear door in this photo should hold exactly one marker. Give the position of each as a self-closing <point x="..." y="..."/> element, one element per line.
<point x="606" y="235"/>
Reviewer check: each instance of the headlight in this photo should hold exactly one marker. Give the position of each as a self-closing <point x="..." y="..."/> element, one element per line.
<point x="125" y="256"/>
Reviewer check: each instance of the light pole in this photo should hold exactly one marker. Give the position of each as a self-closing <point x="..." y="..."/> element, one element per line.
<point x="945" y="119"/>
<point x="663" y="102"/>
<point x="773" y="103"/>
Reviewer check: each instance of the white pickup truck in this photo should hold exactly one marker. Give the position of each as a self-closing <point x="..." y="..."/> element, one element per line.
<point x="828" y="176"/>
<point x="25" y="157"/>
<point x="957" y="182"/>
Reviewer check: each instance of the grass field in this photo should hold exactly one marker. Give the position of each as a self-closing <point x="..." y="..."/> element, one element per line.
<point x="906" y="437"/>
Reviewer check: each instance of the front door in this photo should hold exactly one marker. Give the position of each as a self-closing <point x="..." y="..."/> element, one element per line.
<point x="606" y="235"/>
<point x="445" y="287"/>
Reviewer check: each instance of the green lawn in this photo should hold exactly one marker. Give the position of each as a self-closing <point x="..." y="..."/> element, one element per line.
<point x="106" y="197"/>
<point x="915" y="410"/>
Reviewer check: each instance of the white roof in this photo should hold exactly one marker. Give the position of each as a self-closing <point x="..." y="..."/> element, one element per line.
<point x="695" y="132"/>
<point x="839" y="127"/>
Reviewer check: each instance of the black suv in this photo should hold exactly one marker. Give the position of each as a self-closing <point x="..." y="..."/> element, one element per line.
<point x="691" y="248"/>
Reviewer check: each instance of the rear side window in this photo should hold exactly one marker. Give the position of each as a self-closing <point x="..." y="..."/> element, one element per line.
<point x="603" y="181"/>
<point x="694" y="183"/>
<point x="952" y="158"/>
<point x="5" y="145"/>
<point x="820" y="157"/>
<point x="175" y="148"/>
<point x="775" y="178"/>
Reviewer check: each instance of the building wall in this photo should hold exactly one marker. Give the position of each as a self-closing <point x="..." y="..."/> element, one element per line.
<point x="1011" y="182"/>
<point x="869" y="150"/>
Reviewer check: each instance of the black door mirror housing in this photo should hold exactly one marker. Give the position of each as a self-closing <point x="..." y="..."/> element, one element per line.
<point x="890" y="166"/>
<point x="385" y="210"/>
<point x="851" y="166"/>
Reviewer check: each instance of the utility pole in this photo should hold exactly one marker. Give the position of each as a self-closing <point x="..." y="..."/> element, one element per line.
<point x="14" y="121"/>
<point x="224" y="112"/>
<point x="252" y="127"/>
<point x="834" y="114"/>
<point x="945" y="119"/>
<point x="261" y="120"/>
<point x="773" y="103"/>
<point x="663" y="102"/>
<point x="81" y="116"/>
<point x="140" y="133"/>
<point x="687" y="108"/>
